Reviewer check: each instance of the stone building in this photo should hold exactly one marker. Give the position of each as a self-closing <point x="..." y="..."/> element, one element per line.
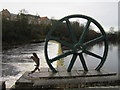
<point x="32" y="19"/>
<point x="6" y="14"/>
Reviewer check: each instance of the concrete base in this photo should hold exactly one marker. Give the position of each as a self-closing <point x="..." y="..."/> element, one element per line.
<point x="63" y="79"/>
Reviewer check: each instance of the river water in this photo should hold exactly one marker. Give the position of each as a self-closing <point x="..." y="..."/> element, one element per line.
<point x="16" y="61"/>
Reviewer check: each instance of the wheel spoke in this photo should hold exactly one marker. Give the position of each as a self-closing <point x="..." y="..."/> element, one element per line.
<point x="83" y="62"/>
<point x="94" y="41"/>
<point x="92" y="54"/>
<point x="72" y="62"/>
<point x="61" y="56"/>
<point x="82" y="37"/>
<point x="70" y="46"/>
<point x="73" y="35"/>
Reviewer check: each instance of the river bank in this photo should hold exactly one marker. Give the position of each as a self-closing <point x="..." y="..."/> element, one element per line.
<point x="20" y="43"/>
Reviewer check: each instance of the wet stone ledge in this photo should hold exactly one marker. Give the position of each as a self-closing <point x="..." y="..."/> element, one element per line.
<point x="62" y="79"/>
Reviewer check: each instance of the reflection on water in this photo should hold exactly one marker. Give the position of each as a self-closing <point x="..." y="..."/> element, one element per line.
<point x="111" y="64"/>
<point x="60" y="62"/>
<point x="16" y="61"/>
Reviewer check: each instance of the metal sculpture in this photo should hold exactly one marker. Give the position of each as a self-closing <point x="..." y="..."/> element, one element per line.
<point x="36" y="60"/>
<point x="73" y="48"/>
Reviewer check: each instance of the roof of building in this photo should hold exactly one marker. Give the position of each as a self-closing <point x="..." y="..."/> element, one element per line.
<point x="45" y="18"/>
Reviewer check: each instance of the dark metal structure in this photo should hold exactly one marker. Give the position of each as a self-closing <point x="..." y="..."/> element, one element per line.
<point x="78" y="47"/>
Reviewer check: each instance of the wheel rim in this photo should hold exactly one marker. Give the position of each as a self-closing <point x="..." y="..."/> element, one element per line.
<point x="80" y="43"/>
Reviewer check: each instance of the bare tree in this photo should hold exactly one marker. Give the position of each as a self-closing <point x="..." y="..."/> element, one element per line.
<point x="23" y="11"/>
<point x="111" y="30"/>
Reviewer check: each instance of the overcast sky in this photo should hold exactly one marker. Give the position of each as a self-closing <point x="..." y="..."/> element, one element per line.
<point x="105" y="12"/>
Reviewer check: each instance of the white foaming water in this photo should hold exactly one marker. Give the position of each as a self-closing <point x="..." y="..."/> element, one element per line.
<point x="17" y="61"/>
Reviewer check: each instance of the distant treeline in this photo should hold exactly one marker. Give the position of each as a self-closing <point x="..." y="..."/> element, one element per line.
<point x="20" y="31"/>
<point x="15" y="32"/>
<point x="64" y="34"/>
<point x="114" y="37"/>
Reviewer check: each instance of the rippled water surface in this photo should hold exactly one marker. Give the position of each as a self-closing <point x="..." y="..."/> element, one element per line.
<point x="110" y="65"/>
<point x="16" y="61"/>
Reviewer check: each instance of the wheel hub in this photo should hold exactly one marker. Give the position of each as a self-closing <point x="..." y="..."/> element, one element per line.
<point x="78" y="48"/>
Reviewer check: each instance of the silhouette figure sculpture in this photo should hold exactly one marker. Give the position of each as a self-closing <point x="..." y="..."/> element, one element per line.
<point x="37" y="61"/>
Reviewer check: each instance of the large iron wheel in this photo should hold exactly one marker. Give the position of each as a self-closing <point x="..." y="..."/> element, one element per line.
<point x="78" y="47"/>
